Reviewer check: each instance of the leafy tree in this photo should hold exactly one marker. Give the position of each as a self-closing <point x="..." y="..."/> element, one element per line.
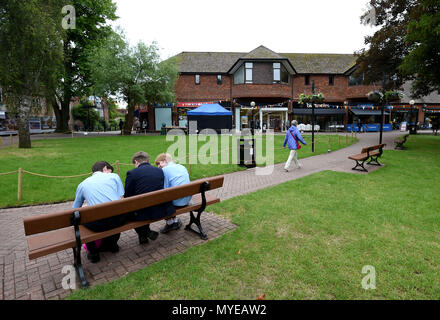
<point x="386" y="48"/>
<point x="30" y="54"/>
<point x="86" y="114"/>
<point x="407" y="45"/>
<point x="91" y="29"/>
<point x="423" y="39"/>
<point x="134" y="73"/>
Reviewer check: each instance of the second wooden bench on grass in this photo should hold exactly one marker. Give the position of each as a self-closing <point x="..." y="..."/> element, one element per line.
<point x="400" y="141"/>
<point x="53" y="232"/>
<point x="372" y="152"/>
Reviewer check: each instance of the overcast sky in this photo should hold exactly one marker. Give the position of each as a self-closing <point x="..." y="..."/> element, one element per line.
<point x="304" y="26"/>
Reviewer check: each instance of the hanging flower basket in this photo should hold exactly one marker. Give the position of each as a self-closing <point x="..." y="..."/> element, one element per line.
<point x="313" y="98"/>
<point x="375" y="96"/>
<point x="393" y="95"/>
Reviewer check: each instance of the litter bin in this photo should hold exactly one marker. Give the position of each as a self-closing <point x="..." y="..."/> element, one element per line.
<point x="412" y="129"/>
<point x="246" y="153"/>
<point x="163" y="131"/>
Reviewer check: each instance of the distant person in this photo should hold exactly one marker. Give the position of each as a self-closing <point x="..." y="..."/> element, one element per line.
<point x="175" y="175"/>
<point x="121" y="125"/>
<point x="143" y="179"/>
<point x="293" y="136"/>
<point x="360" y="125"/>
<point x="138" y="125"/>
<point x="435" y="126"/>
<point x="103" y="186"/>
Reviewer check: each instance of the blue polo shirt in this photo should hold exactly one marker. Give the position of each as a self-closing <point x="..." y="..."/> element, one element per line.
<point x="99" y="188"/>
<point x="176" y="175"/>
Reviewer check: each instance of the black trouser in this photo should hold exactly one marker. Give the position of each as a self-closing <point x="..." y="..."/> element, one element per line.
<point x="104" y="225"/>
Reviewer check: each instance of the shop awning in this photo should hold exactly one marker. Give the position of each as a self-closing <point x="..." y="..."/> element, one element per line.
<point x="362" y="112"/>
<point x="318" y="111"/>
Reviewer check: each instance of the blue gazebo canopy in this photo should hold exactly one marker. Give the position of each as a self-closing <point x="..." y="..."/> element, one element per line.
<point x="210" y="110"/>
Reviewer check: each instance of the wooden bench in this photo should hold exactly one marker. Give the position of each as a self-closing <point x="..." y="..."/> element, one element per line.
<point x="373" y="153"/>
<point x="400" y="141"/>
<point x="57" y="231"/>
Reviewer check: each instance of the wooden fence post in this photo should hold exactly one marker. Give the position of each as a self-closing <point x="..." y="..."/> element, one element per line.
<point x="117" y="168"/>
<point x="20" y="183"/>
<point x="10" y="136"/>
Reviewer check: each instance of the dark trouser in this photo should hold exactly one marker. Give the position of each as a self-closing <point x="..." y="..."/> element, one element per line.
<point x="104" y="225"/>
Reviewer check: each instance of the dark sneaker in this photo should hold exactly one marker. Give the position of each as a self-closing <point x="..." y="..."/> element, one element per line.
<point x="93" y="257"/>
<point x="170" y="227"/>
<point x="143" y="239"/>
<point x="152" y="235"/>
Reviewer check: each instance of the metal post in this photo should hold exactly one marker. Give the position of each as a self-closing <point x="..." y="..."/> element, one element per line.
<point x="313" y="118"/>
<point x="382" y="110"/>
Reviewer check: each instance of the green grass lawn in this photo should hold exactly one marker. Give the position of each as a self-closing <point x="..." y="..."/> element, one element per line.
<point x="311" y="237"/>
<point x="69" y="157"/>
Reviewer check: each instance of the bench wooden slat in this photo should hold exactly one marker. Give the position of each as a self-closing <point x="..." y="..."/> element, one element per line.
<point x="58" y="220"/>
<point x="61" y="239"/>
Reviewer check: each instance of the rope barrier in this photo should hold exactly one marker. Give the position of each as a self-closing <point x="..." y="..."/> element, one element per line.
<point x="6" y="173"/>
<point x="62" y="177"/>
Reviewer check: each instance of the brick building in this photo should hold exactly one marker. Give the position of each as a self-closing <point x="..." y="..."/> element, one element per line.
<point x="262" y="87"/>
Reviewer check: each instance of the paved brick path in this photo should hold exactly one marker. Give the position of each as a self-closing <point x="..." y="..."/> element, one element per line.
<point x="41" y="278"/>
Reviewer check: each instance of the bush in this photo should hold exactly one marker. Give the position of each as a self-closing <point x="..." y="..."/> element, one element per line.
<point x="85" y="113"/>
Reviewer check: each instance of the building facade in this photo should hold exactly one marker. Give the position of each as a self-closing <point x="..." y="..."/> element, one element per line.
<point x="262" y="87"/>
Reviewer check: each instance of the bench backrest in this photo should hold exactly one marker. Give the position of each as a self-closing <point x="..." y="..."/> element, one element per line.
<point x="372" y="148"/>
<point x="63" y="219"/>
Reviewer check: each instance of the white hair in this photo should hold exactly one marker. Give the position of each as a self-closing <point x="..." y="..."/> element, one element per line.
<point x="294" y="123"/>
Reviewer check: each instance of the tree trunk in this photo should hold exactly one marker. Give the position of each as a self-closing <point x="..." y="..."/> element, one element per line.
<point x="24" y="136"/>
<point x="62" y="115"/>
<point x="129" y="119"/>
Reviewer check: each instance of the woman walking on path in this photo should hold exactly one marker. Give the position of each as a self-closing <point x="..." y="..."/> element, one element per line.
<point x="292" y="137"/>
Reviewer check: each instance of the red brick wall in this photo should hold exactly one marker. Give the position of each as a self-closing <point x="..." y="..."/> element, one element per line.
<point x="340" y="91"/>
<point x="262" y="91"/>
<point x="209" y="90"/>
<point x="187" y="90"/>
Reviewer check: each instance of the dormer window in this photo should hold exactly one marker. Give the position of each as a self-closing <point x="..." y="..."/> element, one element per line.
<point x="280" y="74"/>
<point x="248" y="71"/>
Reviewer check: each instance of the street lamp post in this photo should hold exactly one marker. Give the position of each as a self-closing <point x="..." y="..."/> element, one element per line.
<point x="313" y="118"/>
<point x="382" y="110"/>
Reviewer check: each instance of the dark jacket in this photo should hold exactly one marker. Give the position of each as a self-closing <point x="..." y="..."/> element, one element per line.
<point x="143" y="179"/>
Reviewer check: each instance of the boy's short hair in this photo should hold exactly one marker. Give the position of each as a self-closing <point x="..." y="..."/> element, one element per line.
<point x="141" y="157"/>
<point x="162" y="157"/>
<point x="99" y="166"/>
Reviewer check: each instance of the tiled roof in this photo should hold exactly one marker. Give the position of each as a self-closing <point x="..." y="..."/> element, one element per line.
<point x="321" y="62"/>
<point x="262" y="53"/>
<point x="202" y="62"/>
<point x="434" y="97"/>
<point x="221" y="62"/>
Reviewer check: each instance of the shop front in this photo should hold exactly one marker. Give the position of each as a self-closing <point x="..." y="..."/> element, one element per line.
<point x="368" y="119"/>
<point x="327" y="118"/>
